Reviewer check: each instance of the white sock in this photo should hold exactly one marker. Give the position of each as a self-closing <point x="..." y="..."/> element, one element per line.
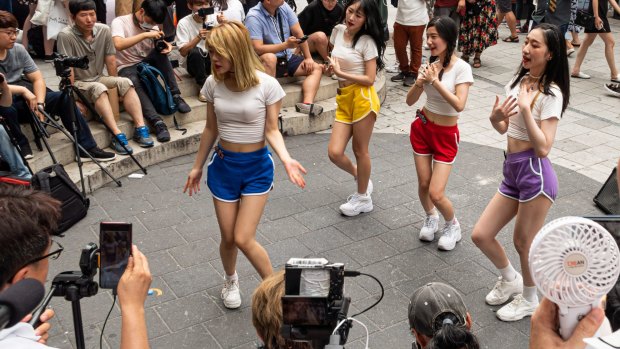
<point x="509" y="273"/>
<point x="233" y="277"/>
<point x="454" y="221"/>
<point x="432" y="212"/>
<point x="529" y="293"/>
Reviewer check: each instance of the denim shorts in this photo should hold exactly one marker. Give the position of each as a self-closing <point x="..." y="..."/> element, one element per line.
<point x="231" y="175"/>
<point x="527" y="176"/>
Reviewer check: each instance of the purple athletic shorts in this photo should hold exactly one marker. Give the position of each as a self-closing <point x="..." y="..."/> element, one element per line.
<point x="527" y="176"/>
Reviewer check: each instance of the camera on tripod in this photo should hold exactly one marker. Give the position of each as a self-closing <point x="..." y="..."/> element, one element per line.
<point x="80" y="284"/>
<point x="314" y="302"/>
<point x="62" y="64"/>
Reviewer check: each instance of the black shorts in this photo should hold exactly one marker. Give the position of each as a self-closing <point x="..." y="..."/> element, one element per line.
<point x="293" y="63"/>
<point x="606" y="27"/>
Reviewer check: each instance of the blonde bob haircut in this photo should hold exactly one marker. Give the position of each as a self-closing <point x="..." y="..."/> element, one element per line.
<point x="231" y="40"/>
<point x="267" y="313"/>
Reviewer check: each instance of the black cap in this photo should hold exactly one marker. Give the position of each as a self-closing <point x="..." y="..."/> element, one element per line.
<point x="430" y="302"/>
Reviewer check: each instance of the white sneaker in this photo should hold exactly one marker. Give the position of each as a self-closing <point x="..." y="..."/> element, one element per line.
<point x="431" y="225"/>
<point x="502" y="290"/>
<point x="517" y="309"/>
<point x="231" y="295"/>
<point x="356" y="204"/>
<point x="451" y="234"/>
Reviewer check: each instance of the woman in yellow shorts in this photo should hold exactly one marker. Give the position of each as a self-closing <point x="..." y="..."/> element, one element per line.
<point x="356" y="58"/>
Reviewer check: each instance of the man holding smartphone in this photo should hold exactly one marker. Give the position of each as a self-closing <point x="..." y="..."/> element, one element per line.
<point x="274" y="30"/>
<point x="26" y="249"/>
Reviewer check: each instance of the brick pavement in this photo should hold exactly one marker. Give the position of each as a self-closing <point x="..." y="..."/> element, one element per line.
<point x="180" y="234"/>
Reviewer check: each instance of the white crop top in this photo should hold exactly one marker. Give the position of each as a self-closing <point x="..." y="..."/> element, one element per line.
<point x="545" y="107"/>
<point x="459" y="74"/>
<point x="241" y="115"/>
<point x="352" y="59"/>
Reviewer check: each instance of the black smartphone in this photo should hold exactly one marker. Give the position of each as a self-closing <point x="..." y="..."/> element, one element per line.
<point x="303" y="39"/>
<point x="204" y="12"/>
<point x="114" y="252"/>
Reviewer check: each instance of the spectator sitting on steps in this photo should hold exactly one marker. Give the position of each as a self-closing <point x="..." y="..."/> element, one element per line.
<point x="134" y="38"/>
<point x="317" y="20"/>
<point x="275" y="33"/>
<point x="88" y="38"/>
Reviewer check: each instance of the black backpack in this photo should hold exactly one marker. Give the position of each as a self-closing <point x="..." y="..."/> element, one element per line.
<point x="55" y="181"/>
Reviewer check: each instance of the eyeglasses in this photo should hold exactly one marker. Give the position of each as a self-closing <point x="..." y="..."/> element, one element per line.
<point x="52" y="255"/>
<point x="9" y="32"/>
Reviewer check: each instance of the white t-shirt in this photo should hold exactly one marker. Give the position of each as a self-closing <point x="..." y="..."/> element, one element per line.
<point x="241" y="115"/>
<point x="20" y="336"/>
<point x="352" y="59"/>
<point x="545" y="107"/>
<point x="188" y="28"/>
<point x="125" y="27"/>
<point x="411" y="12"/>
<point x="460" y="73"/>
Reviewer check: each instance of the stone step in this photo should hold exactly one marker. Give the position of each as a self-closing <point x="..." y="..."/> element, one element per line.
<point x="293" y="123"/>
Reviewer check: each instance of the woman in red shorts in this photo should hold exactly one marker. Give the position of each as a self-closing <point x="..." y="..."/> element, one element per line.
<point x="434" y="131"/>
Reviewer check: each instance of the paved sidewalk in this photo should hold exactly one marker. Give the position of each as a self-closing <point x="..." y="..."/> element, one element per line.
<point x="180" y="234"/>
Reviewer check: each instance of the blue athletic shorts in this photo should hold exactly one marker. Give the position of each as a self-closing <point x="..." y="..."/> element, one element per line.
<point x="231" y="175"/>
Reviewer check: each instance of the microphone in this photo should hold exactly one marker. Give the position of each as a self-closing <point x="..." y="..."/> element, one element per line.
<point x="19" y="300"/>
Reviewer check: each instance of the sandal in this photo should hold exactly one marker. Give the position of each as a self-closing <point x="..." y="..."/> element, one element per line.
<point x="465" y="58"/>
<point x="477" y="62"/>
<point x="511" y="39"/>
<point x="574" y="44"/>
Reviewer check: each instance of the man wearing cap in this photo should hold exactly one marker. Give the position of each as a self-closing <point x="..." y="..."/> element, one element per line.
<point x="437" y="314"/>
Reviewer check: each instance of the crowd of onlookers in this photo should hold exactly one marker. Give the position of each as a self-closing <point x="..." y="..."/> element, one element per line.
<point x="277" y="34"/>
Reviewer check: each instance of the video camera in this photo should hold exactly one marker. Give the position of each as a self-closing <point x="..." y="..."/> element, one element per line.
<point x="314" y="301"/>
<point x="62" y="63"/>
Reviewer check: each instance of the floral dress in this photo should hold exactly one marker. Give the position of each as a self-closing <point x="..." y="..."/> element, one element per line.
<point x="478" y="27"/>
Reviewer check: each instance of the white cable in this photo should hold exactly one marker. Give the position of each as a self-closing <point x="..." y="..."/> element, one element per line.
<point x="359" y="322"/>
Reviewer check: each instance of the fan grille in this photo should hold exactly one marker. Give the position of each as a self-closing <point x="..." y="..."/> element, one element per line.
<point x="574" y="261"/>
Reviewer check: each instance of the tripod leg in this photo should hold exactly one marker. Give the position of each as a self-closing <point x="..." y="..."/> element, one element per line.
<point x="91" y="108"/>
<point x="73" y="139"/>
<point x="42" y="133"/>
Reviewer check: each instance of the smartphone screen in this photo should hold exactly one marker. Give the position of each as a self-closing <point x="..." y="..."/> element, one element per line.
<point x="115" y="249"/>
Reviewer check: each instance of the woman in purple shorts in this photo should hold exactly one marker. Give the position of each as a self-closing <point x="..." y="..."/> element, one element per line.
<point x="536" y="99"/>
<point x="243" y="103"/>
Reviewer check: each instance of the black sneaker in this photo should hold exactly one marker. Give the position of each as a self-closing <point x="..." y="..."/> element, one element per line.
<point x="409" y="79"/>
<point x="161" y="132"/>
<point x="26" y="151"/>
<point x="181" y="105"/>
<point x="399" y="77"/>
<point x="97" y="154"/>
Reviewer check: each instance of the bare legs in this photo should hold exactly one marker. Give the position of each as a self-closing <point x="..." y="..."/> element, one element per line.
<point x="609" y="41"/>
<point x="530" y="218"/>
<point x="432" y="181"/>
<point x="361" y="132"/>
<point x="511" y="20"/>
<point x="238" y="222"/>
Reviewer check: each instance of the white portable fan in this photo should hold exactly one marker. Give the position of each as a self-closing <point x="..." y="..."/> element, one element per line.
<point x="574" y="262"/>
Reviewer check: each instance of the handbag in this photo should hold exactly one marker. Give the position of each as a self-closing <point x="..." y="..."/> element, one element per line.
<point x="55" y="181"/>
<point x="585" y="19"/>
